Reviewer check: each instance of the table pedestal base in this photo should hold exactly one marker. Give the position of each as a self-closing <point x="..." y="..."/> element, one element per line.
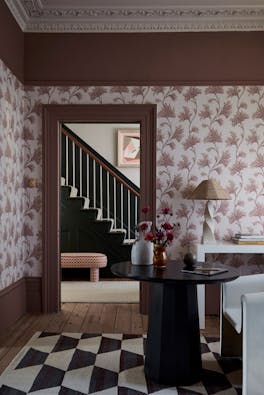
<point x="173" y="354"/>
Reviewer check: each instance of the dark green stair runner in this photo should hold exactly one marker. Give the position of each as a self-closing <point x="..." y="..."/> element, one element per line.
<point x="81" y="231"/>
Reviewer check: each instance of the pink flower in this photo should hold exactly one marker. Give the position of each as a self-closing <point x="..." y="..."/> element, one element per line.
<point x="162" y="234"/>
<point x="149" y="236"/>
<point x="159" y="234"/>
<point x="143" y="226"/>
<point x="169" y="236"/>
<point x="167" y="226"/>
<point x="145" y="210"/>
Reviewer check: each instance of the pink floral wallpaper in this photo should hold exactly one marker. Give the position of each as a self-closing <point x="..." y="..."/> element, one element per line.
<point x="208" y="131"/>
<point x="12" y="191"/>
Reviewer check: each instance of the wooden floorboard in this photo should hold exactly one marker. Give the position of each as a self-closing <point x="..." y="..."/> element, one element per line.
<point x="81" y="317"/>
<point x="108" y="317"/>
<point x="92" y="322"/>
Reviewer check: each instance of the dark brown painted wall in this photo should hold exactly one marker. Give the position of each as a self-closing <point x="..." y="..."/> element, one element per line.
<point x="11" y="42"/>
<point x="144" y="58"/>
<point x="131" y="58"/>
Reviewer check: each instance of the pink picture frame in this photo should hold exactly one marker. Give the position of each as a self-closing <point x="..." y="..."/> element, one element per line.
<point x="128" y="147"/>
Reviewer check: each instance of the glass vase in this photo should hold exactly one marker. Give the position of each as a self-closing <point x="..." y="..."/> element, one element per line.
<point x="160" y="258"/>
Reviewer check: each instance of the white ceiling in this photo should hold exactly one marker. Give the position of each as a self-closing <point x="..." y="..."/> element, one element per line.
<point x="137" y="15"/>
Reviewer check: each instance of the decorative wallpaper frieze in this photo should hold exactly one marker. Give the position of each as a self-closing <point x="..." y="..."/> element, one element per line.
<point x="208" y="131"/>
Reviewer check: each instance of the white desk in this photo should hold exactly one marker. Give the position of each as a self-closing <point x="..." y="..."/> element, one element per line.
<point x="222" y="247"/>
<point x="225" y="247"/>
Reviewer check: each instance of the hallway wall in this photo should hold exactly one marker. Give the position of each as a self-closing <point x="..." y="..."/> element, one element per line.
<point x="202" y="131"/>
<point x="13" y="194"/>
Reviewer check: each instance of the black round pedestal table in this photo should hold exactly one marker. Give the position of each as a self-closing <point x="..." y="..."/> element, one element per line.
<point x="172" y="354"/>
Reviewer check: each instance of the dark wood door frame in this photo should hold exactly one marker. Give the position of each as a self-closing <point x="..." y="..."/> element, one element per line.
<point x="53" y="117"/>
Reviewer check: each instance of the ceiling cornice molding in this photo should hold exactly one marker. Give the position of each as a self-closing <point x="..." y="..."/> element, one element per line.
<point x="141" y="27"/>
<point x="18" y="13"/>
<point x="33" y="16"/>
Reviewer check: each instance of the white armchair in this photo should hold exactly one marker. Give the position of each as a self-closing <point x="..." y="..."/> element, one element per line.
<point x="242" y="328"/>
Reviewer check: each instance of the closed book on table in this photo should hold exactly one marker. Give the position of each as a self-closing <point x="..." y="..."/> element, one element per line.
<point x="205" y="271"/>
<point x="245" y="236"/>
<point x="248" y="242"/>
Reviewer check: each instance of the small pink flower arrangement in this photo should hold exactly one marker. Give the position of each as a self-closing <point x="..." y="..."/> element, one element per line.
<point x="162" y="235"/>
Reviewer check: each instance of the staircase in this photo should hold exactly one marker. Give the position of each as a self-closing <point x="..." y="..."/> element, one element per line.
<point x="99" y="206"/>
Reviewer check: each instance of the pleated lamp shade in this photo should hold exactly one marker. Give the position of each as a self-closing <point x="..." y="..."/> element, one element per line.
<point x="209" y="190"/>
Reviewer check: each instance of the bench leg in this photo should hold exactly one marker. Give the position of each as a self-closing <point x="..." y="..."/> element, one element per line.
<point x="94" y="274"/>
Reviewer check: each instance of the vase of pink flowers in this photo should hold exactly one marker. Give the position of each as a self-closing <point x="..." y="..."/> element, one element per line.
<point x="160" y="258"/>
<point x="161" y="236"/>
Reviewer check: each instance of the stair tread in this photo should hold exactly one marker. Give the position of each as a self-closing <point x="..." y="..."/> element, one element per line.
<point x="118" y="230"/>
<point x="129" y="241"/>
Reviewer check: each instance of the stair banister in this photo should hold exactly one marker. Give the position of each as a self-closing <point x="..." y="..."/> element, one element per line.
<point x="127" y="195"/>
<point x="114" y="173"/>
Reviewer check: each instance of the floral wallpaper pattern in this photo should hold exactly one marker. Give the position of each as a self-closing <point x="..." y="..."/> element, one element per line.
<point x="12" y="191"/>
<point x="208" y="131"/>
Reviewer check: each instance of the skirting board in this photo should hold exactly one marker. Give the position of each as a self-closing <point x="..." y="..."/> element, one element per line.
<point x="18" y="298"/>
<point x="33" y="287"/>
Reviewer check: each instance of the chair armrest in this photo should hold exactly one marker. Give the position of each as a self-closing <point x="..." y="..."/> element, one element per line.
<point x="253" y="345"/>
<point x="233" y="290"/>
<point x="253" y="315"/>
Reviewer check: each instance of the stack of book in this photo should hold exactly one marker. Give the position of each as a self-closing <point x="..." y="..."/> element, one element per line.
<point x="244" y="238"/>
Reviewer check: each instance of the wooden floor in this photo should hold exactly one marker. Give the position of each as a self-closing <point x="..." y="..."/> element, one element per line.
<point x="81" y="317"/>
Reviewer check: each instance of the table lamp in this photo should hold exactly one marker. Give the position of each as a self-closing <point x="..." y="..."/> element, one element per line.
<point x="209" y="190"/>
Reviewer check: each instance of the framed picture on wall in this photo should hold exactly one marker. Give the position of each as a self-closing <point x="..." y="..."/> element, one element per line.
<point x="128" y="147"/>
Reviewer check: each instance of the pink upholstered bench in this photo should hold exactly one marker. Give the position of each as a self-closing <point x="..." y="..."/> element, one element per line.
<point x="92" y="260"/>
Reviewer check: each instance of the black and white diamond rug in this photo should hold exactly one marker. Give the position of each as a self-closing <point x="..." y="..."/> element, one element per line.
<point x="106" y="364"/>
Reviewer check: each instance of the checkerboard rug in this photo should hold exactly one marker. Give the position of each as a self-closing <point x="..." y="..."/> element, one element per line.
<point x="106" y="364"/>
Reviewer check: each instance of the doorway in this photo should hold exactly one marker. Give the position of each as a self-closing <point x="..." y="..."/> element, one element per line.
<point x="53" y="117"/>
<point x="100" y="169"/>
